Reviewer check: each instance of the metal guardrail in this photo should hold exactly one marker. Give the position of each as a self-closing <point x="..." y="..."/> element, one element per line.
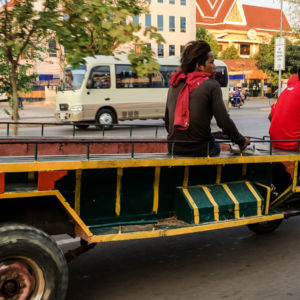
<point x="133" y="142"/>
<point x="102" y="128"/>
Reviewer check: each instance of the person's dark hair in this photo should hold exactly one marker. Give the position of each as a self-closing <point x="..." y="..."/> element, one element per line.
<point x="194" y="52"/>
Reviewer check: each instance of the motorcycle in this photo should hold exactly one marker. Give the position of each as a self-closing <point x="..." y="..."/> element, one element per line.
<point x="236" y="99"/>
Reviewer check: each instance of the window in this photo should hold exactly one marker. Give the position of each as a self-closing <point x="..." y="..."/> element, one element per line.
<point x="73" y="78"/>
<point x="245" y="49"/>
<point x="127" y="79"/>
<point x="182" y="24"/>
<point x="160" y="50"/>
<point x="160" y="1"/>
<point x="100" y="78"/>
<point x="148" y="45"/>
<point x="166" y="72"/>
<point x="147" y="21"/>
<point x="160" y="22"/>
<point x="52" y="48"/>
<point x="222" y="76"/>
<point x="171" y="50"/>
<point x="183" y="2"/>
<point x="136" y="19"/>
<point x="172" y="1"/>
<point x="171" y="24"/>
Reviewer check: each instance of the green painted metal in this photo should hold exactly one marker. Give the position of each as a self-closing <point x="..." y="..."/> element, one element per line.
<point x="98" y="196"/>
<point x="247" y="201"/>
<point x="226" y="206"/>
<point x="170" y="178"/>
<point x="137" y="191"/>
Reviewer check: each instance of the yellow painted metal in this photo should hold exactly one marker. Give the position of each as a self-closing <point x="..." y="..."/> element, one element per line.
<point x="219" y="174"/>
<point x="295" y="179"/>
<point x="118" y="191"/>
<point x="186" y="176"/>
<point x="193" y="204"/>
<point x="267" y="206"/>
<point x="77" y="191"/>
<point x="59" y="196"/>
<point x="156" y="189"/>
<point x="281" y="197"/>
<point x="254" y="193"/>
<point x="213" y="202"/>
<point x="236" y="202"/>
<point x="131" y="163"/>
<point x="183" y="230"/>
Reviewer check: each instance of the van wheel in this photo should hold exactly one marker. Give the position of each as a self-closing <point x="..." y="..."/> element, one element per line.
<point x="105" y="118"/>
<point x="264" y="227"/>
<point x="32" y="266"/>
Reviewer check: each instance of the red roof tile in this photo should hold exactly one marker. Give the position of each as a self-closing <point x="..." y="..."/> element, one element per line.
<point x="213" y="17"/>
<point x="269" y="18"/>
<point x="241" y="64"/>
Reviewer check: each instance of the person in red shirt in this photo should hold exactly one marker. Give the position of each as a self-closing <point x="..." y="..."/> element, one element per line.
<point x="285" y="116"/>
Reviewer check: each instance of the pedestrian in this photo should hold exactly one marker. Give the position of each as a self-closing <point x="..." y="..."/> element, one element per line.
<point x="193" y="99"/>
<point x="285" y="116"/>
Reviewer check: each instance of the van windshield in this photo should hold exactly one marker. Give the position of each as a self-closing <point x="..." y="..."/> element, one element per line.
<point x="73" y="78"/>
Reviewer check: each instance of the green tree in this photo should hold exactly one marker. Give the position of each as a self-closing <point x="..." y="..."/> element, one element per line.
<point x="22" y="32"/>
<point x="93" y="27"/>
<point x="230" y="53"/>
<point x="203" y="34"/>
<point x="265" y="59"/>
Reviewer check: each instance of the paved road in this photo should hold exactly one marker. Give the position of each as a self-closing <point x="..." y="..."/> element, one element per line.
<point x="229" y="264"/>
<point x="251" y="120"/>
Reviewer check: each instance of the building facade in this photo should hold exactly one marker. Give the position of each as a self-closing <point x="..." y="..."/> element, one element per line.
<point x="175" y="20"/>
<point x="243" y="26"/>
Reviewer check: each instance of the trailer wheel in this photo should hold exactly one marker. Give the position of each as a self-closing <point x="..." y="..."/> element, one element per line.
<point x="32" y="266"/>
<point x="265" y="227"/>
<point x="105" y="118"/>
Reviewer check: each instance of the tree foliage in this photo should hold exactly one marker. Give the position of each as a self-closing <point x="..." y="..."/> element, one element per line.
<point x="22" y="30"/>
<point x="93" y="27"/>
<point x="230" y="53"/>
<point x="83" y="27"/>
<point x="265" y="59"/>
<point x="203" y="34"/>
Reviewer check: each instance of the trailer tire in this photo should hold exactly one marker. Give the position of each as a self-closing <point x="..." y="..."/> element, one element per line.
<point x="265" y="227"/>
<point x="32" y="266"/>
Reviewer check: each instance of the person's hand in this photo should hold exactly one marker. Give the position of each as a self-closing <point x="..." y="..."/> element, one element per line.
<point x="246" y="143"/>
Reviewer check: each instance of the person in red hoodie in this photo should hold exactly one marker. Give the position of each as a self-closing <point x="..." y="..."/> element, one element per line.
<point x="193" y="99"/>
<point x="285" y="116"/>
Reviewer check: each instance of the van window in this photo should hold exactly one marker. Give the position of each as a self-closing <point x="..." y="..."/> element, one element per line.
<point x="127" y="79"/>
<point x="73" y="77"/>
<point x="222" y="76"/>
<point x="100" y="77"/>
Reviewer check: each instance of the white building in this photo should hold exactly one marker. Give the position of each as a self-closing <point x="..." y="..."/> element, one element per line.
<point x="175" y="21"/>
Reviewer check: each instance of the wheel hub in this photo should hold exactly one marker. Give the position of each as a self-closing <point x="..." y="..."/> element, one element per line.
<point x="16" y="280"/>
<point x="105" y="119"/>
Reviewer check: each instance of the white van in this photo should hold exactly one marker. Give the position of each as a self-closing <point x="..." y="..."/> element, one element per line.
<point x="105" y="91"/>
<point x="3" y="97"/>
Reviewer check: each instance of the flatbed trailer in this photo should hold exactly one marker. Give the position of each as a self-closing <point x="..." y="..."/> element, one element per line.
<point x="114" y="190"/>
